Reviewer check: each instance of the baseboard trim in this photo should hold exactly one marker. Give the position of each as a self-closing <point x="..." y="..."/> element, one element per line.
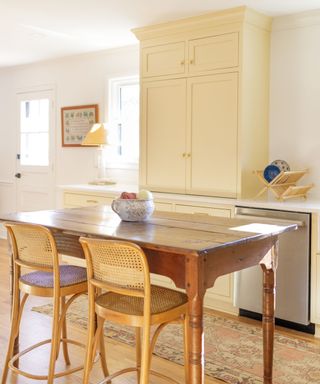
<point x="3" y="232"/>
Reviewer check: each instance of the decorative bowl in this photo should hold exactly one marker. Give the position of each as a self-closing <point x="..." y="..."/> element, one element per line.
<point x="133" y="209"/>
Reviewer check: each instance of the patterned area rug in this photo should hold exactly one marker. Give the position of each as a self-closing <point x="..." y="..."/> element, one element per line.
<point x="233" y="349"/>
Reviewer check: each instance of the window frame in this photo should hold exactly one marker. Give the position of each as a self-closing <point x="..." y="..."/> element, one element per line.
<point x="113" y="86"/>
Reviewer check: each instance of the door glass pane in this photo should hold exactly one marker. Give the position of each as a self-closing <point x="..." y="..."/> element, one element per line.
<point x="34" y="132"/>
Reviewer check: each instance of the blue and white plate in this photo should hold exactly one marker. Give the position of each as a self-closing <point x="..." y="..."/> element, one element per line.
<point x="282" y="165"/>
<point x="270" y="172"/>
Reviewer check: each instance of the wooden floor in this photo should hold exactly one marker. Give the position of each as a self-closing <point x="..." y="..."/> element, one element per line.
<point x="35" y="327"/>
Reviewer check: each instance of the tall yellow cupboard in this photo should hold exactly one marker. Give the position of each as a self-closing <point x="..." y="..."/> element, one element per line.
<point x="204" y="103"/>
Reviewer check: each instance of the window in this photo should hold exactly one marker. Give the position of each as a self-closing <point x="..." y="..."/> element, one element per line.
<point x="124" y="120"/>
<point x="34" y="132"/>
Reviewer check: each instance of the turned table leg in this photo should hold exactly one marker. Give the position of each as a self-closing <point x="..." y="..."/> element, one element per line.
<point x="268" y="322"/>
<point x="195" y="291"/>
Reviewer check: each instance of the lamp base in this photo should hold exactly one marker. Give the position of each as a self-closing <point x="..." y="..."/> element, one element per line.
<point x="102" y="182"/>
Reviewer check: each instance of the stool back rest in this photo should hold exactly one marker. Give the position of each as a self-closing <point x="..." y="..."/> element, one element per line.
<point x="33" y="246"/>
<point x="117" y="266"/>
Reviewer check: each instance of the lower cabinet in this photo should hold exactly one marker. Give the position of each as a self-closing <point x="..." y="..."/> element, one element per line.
<point x="315" y="272"/>
<point x="77" y="199"/>
<point x="204" y="210"/>
<point x="221" y="296"/>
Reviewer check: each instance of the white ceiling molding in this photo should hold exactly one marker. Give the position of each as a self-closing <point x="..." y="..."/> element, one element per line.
<point x="300" y="20"/>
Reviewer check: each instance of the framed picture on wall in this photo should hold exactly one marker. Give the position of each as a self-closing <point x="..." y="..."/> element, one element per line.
<point x="76" y="123"/>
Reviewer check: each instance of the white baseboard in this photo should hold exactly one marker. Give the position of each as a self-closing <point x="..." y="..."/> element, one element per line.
<point x="3" y="232"/>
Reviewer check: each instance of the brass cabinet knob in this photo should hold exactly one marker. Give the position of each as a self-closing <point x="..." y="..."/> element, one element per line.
<point x="182" y="62"/>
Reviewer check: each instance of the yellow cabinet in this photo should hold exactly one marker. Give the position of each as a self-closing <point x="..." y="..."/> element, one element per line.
<point x="78" y="199"/>
<point x="204" y="103"/>
<point x="213" y="52"/>
<point x="182" y="151"/>
<point x="203" y="210"/>
<point x="203" y="54"/>
<point x="163" y="135"/>
<point x="221" y="296"/>
<point x="212" y="135"/>
<point x="161" y="60"/>
<point x="162" y="206"/>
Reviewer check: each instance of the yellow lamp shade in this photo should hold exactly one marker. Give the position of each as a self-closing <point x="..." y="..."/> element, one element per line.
<point x="96" y="136"/>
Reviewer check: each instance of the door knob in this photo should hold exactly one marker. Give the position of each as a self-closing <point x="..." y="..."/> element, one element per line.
<point x="18" y="175"/>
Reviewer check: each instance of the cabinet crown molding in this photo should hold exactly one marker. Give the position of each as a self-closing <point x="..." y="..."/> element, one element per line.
<point x="208" y="20"/>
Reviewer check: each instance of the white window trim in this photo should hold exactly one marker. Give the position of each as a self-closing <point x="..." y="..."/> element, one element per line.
<point x="112" y="83"/>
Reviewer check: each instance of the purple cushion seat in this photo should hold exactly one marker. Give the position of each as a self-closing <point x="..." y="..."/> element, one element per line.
<point x="69" y="275"/>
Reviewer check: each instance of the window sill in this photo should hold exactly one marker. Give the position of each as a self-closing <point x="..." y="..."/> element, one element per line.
<point x="123" y="165"/>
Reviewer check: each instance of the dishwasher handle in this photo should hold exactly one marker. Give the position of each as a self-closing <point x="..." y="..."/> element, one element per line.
<point x="270" y="220"/>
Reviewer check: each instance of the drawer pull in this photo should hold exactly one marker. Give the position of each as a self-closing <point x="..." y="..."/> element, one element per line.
<point x="92" y="201"/>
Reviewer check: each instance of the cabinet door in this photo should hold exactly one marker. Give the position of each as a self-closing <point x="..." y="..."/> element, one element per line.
<point x="212" y="135"/>
<point x="163" y="135"/>
<point x="161" y="60"/>
<point x="215" y="52"/>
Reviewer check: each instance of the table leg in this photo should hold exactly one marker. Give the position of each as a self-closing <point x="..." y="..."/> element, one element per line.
<point x="268" y="324"/>
<point x="195" y="336"/>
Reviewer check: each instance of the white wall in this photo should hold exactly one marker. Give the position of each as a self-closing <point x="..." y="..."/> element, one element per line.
<point x="295" y="94"/>
<point x="78" y="80"/>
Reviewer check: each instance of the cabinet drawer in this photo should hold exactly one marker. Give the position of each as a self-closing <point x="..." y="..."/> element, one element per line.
<point x="163" y="60"/>
<point x="221" y="212"/>
<point x="82" y="200"/>
<point x="164" y="207"/>
<point x="215" y="52"/>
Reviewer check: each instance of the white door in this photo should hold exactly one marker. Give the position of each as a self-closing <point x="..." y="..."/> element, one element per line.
<point x="34" y="170"/>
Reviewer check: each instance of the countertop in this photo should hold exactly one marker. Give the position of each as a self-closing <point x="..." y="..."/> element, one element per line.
<point x="295" y="204"/>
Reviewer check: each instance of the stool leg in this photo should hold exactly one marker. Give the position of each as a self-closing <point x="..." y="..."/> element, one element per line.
<point x="103" y="357"/>
<point x="138" y="352"/>
<point x="64" y="333"/>
<point x="55" y="339"/>
<point x="145" y="359"/>
<point x="15" y="317"/>
<point x="90" y="337"/>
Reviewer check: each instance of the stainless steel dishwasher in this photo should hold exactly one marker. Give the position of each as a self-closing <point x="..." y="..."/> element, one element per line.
<point x="293" y="272"/>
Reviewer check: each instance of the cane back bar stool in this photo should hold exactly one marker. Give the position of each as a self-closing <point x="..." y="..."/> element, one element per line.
<point x="34" y="248"/>
<point x="119" y="290"/>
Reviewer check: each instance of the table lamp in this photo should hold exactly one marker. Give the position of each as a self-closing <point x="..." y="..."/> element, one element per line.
<point x="97" y="136"/>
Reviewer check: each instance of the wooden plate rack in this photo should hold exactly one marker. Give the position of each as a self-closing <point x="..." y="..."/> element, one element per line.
<point x="284" y="185"/>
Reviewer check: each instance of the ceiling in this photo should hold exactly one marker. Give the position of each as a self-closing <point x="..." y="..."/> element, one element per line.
<point x="37" y="30"/>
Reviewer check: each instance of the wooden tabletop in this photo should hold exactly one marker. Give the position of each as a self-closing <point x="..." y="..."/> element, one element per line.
<point x="181" y="232"/>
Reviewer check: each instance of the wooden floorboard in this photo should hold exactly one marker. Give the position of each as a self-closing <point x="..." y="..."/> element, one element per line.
<point x="35" y="327"/>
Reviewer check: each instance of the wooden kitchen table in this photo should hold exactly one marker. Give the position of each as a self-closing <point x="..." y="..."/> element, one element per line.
<point x="193" y="250"/>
